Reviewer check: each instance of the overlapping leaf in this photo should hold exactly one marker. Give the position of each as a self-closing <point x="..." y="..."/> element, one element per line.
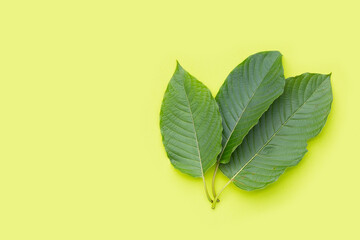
<point x="190" y="124"/>
<point x="280" y="138"/>
<point x="246" y="94"/>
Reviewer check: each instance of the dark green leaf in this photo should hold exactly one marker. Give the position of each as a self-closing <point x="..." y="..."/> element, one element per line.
<point x="280" y="138"/>
<point x="246" y="94"/>
<point x="190" y="124"/>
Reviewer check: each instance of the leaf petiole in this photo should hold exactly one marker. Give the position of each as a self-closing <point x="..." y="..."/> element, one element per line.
<point x="206" y="191"/>
<point x="213" y="179"/>
<point x="218" y="195"/>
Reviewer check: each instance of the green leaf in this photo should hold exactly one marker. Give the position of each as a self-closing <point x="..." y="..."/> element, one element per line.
<point x="246" y="94"/>
<point x="280" y="138"/>
<point x="190" y="124"/>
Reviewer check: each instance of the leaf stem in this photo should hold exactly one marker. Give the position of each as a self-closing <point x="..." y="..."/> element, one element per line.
<point x="206" y="191"/>
<point x="217" y="196"/>
<point x="213" y="179"/>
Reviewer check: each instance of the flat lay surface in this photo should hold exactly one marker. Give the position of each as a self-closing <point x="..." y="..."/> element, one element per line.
<point x="81" y="86"/>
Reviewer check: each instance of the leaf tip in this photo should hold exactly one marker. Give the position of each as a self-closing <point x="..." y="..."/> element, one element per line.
<point x="275" y="52"/>
<point x="278" y="52"/>
<point x="178" y="66"/>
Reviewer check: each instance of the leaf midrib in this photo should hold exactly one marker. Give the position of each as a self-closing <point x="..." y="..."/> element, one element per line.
<point x="282" y="125"/>
<point x="196" y="137"/>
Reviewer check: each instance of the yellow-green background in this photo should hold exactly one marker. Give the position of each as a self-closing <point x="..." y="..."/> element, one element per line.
<point x="81" y="83"/>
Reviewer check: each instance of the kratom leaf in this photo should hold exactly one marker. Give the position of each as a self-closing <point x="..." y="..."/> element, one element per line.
<point x="190" y="124"/>
<point x="280" y="138"/>
<point x="246" y="94"/>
